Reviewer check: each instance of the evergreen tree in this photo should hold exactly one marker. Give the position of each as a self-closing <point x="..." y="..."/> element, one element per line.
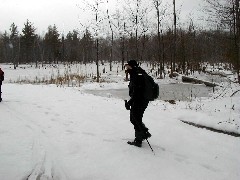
<point x="28" y="38"/>
<point x="5" y="49"/>
<point x="52" y="44"/>
<point x="87" y="45"/>
<point x="72" y="46"/>
<point x="15" y="44"/>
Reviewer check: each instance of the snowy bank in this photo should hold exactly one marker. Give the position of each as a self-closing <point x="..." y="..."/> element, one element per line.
<point x="48" y="132"/>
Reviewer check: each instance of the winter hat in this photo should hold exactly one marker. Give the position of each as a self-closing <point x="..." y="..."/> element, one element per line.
<point x="132" y="63"/>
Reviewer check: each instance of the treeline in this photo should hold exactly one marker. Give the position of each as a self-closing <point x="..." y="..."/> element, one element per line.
<point x="192" y="47"/>
<point x="143" y="30"/>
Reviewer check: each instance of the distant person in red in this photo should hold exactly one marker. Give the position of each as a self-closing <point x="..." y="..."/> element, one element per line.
<point x="1" y="80"/>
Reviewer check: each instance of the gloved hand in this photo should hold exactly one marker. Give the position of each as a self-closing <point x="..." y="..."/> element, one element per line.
<point x="127" y="106"/>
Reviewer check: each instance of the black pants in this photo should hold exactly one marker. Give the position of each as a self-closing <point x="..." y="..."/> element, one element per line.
<point x="136" y="115"/>
<point x="0" y="90"/>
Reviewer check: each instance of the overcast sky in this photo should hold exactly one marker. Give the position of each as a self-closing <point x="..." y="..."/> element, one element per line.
<point x="64" y="13"/>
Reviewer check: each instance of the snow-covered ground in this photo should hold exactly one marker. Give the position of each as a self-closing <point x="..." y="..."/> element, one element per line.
<point x="50" y="132"/>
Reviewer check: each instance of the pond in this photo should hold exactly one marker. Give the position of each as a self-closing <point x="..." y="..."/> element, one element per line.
<point x="183" y="92"/>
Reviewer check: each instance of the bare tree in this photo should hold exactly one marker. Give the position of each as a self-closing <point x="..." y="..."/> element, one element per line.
<point x="226" y="14"/>
<point x="160" y="14"/>
<point x="137" y="12"/>
<point x="111" y="29"/>
<point x="175" y="36"/>
<point x="237" y="36"/>
<point x="120" y="26"/>
<point x="95" y="8"/>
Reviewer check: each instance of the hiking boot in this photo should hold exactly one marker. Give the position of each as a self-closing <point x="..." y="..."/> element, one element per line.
<point x="135" y="143"/>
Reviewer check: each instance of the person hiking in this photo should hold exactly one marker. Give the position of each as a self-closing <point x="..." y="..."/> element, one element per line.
<point x="137" y="103"/>
<point x="1" y="80"/>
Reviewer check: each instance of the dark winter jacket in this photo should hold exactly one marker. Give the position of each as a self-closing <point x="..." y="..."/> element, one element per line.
<point x="1" y="76"/>
<point x="136" y="86"/>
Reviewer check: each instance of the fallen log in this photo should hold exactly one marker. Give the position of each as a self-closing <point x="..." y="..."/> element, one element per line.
<point x="209" y="84"/>
<point x="191" y="80"/>
<point x="222" y="74"/>
<point x="211" y="129"/>
<point x="197" y="81"/>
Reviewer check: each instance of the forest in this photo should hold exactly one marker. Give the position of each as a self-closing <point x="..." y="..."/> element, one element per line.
<point x="148" y="34"/>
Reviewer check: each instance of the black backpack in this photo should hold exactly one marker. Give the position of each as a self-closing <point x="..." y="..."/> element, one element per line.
<point x="151" y="89"/>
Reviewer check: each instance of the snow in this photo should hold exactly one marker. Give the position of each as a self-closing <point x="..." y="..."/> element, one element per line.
<point x="63" y="133"/>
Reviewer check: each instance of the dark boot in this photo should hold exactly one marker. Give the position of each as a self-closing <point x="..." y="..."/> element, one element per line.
<point x="142" y="135"/>
<point x="147" y="135"/>
<point x="144" y="132"/>
<point x="135" y="143"/>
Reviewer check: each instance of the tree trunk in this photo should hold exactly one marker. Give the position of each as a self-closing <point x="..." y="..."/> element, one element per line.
<point x="97" y="59"/>
<point x="175" y="35"/>
<point x="237" y="12"/>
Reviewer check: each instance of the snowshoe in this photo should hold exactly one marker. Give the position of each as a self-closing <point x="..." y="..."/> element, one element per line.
<point x="135" y="143"/>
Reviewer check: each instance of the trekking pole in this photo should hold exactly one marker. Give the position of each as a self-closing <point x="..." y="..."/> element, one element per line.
<point x="150" y="147"/>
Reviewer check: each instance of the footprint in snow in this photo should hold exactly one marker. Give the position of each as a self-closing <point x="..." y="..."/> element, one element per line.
<point x="89" y="134"/>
